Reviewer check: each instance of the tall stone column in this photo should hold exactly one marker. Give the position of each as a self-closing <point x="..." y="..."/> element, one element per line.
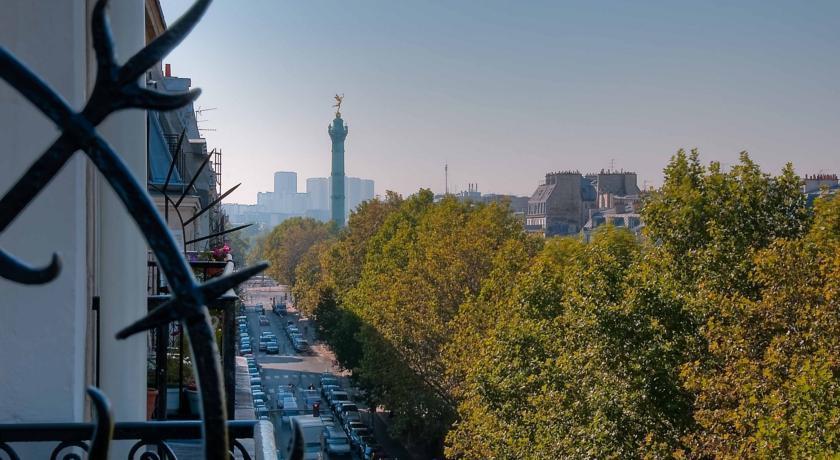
<point x="338" y="132"/>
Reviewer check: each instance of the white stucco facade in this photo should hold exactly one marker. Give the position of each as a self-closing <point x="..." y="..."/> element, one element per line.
<point x="46" y="332"/>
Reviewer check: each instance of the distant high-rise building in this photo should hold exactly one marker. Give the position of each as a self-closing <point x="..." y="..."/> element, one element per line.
<point x="367" y="189"/>
<point x="318" y="189"/>
<point x="274" y="207"/>
<point x="285" y="182"/>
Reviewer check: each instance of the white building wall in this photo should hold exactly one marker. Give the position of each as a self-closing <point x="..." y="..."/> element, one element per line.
<point x="46" y="365"/>
<point x="122" y="256"/>
<point x="43" y="328"/>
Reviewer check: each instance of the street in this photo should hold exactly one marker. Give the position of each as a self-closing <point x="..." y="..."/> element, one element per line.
<point x="289" y="366"/>
<point x="300" y="369"/>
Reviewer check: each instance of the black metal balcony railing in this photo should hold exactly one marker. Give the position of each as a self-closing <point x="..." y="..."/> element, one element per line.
<point x="152" y="438"/>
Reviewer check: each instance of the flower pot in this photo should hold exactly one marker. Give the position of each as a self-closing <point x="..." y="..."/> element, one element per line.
<point x="151" y="399"/>
<point x="194" y="401"/>
<point x="173" y="400"/>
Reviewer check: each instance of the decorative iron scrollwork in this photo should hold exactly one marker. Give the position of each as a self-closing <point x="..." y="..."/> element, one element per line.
<point x="117" y="88"/>
<point x="166" y="452"/>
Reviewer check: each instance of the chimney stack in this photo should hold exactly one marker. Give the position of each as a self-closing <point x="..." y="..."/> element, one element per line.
<point x="167" y="70"/>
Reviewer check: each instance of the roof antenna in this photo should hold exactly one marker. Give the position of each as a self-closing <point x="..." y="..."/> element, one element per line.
<point x="446" y="176"/>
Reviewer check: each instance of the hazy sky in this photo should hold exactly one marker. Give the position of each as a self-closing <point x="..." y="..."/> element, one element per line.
<point x="505" y="91"/>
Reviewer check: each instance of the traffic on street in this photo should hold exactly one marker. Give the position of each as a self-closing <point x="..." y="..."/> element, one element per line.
<point x="294" y="384"/>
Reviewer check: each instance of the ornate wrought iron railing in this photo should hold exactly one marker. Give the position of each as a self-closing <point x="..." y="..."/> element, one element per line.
<point x="153" y="440"/>
<point x="116" y="88"/>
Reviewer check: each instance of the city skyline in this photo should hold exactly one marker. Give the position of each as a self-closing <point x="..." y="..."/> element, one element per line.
<point x="503" y="93"/>
<point x="285" y="200"/>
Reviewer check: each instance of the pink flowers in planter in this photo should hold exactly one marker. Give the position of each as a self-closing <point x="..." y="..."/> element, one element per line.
<point x="220" y="253"/>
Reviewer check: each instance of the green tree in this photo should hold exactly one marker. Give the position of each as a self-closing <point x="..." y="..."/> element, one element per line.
<point x="330" y="269"/>
<point x="581" y="367"/>
<point x="423" y="263"/>
<point x="240" y="246"/>
<point x="770" y="385"/>
<point x="309" y="278"/>
<point x="287" y="243"/>
<point x="709" y="221"/>
<point x="257" y="251"/>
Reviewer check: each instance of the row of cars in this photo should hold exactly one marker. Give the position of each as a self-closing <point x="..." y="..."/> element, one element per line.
<point x="267" y="341"/>
<point x="244" y="337"/>
<point x="349" y="429"/>
<point x="296" y="338"/>
<point x="257" y="393"/>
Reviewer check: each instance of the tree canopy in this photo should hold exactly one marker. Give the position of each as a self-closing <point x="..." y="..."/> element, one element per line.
<point x="716" y="334"/>
<point x="287" y="244"/>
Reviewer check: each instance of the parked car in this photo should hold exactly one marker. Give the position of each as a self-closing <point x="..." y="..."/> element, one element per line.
<point x="301" y="345"/>
<point x="350" y="416"/>
<point x="356" y="435"/>
<point x="374" y="452"/>
<point x="329" y="380"/>
<point x="354" y="426"/>
<point x="325" y="390"/>
<point x="261" y="411"/>
<point x="246" y="350"/>
<point x="337" y="398"/>
<point x="365" y="440"/>
<point x="335" y="442"/>
<point x="256" y="380"/>
<point x="345" y="407"/>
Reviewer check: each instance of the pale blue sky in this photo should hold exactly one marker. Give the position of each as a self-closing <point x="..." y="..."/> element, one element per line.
<point x="505" y="91"/>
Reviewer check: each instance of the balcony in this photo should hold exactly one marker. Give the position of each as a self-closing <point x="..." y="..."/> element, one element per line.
<point x="250" y="439"/>
<point x="167" y="349"/>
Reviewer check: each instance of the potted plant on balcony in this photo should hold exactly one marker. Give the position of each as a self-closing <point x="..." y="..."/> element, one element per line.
<point x="151" y="400"/>
<point x="173" y="384"/>
<point x="218" y="254"/>
<point x="193" y="398"/>
<point x="151" y="391"/>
